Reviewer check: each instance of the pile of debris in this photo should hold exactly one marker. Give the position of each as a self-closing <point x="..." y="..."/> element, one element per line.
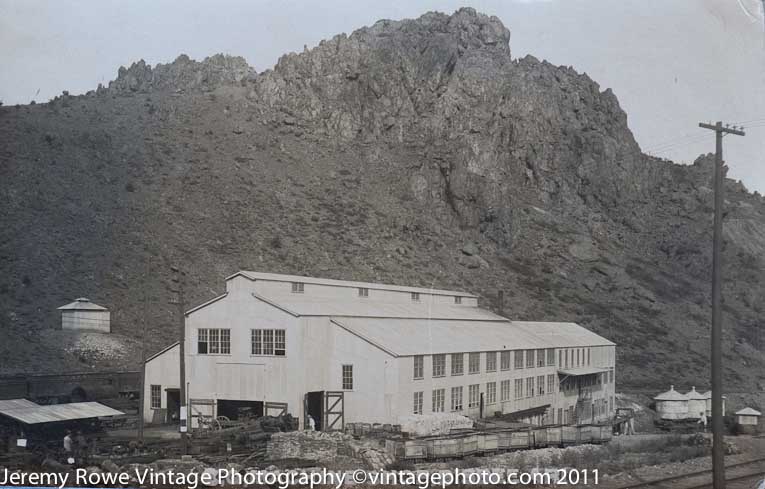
<point x="434" y="424"/>
<point x="309" y="445"/>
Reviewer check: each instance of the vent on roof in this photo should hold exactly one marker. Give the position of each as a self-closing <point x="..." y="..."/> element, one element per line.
<point x="82" y="299"/>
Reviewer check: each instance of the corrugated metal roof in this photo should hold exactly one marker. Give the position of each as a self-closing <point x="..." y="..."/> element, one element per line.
<point x="582" y="371"/>
<point x="59" y="412"/>
<point x="305" y="305"/>
<point x="671" y="395"/>
<point x="747" y="411"/>
<point x="82" y="304"/>
<point x="16" y="404"/>
<point x="277" y="277"/>
<point x="405" y="337"/>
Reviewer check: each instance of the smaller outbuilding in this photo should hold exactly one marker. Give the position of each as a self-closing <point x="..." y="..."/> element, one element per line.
<point x="697" y="403"/>
<point x="748" y="421"/>
<point x="671" y="404"/>
<point x="748" y="416"/>
<point x="86" y="316"/>
<point x="708" y="397"/>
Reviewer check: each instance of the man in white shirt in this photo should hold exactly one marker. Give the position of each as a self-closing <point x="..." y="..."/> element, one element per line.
<point x="703" y="421"/>
<point x="68" y="443"/>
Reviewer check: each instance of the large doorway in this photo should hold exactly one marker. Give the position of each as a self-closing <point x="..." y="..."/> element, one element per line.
<point x="237" y="409"/>
<point x="314" y="407"/>
<point x="173" y="405"/>
<point x="327" y="408"/>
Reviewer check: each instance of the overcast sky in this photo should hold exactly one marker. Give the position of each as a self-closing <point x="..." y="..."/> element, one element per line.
<point x="672" y="63"/>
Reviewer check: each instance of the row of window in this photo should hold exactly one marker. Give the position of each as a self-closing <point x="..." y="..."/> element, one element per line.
<point x="267" y="342"/>
<point x="533" y="358"/>
<point x="299" y="288"/>
<point x="521" y="389"/>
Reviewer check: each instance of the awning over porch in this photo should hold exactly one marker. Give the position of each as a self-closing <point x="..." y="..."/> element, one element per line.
<point x="574" y="372"/>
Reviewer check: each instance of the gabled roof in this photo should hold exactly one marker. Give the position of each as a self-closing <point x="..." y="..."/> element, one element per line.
<point x="406" y="337"/>
<point x="671" y="395"/>
<point x="82" y="304"/>
<point x="306" y="305"/>
<point x="160" y="352"/>
<point x="568" y="335"/>
<point x="277" y="277"/>
<point x="747" y="411"/>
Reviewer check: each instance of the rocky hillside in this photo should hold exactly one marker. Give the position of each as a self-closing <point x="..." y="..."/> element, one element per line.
<point x="410" y="152"/>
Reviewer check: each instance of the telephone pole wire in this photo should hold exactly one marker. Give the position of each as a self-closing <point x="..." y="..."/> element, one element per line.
<point x="718" y="453"/>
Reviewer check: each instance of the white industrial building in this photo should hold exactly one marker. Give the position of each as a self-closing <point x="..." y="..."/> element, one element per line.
<point x="363" y="352"/>
<point x="85" y="315"/>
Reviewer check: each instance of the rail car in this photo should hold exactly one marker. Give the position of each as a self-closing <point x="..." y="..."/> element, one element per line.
<point x="462" y="444"/>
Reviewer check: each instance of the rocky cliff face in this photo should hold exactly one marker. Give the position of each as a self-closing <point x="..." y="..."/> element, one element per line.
<point x="414" y="152"/>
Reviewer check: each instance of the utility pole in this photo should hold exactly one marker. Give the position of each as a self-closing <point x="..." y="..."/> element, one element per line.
<point x="718" y="454"/>
<point x="178" y="283"/>
<point x="142" y="396"/>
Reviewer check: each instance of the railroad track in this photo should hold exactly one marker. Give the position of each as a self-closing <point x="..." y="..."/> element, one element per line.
<point x="705" y="477"/>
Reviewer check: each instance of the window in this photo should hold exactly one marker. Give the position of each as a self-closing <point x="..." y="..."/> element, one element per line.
<point x="540" y="358"/>
<point x="419" y="367"/>
<point x="588" y="357"/>
<point x="474" y="394"/>
<point x="417" y="403"/>
<point x="504" y="387"/>
<point x="415" y="297"/>
<point x="529" y="358"/>
<point x="298" y="287"/>
<point x="280" y="342"/>
<point x="438" y="400"/>
<point x="550" y="357"/>
<point x="268" y="342"/>
<point x="348" y="377"/>
<point x="457" y="398"/>
<point x="156" y="396"/>
<point x="518" y="359"/>
<point x="518" y="388"/>
<point x="491" y="361"/>
<point x="202" y="341"/>
<point x="458" y="366"/>
<point x="530" y="387"/>
<point x="457" y="299"/>
<point x="566" y="358"/>
<point x="577" y="357"/>
<point x="541" y="385"/>
<point x="439" y="365"/>
<point x="214" y="341"/>
<point x="504" y="360"/>
<point x="363" y="292"/>
<point x="551" y="384"/>
<point x="560" y="358"/>
<point x="474" y="363"/>
<point x="611" y="376"/>
<point x="491" y="392"/>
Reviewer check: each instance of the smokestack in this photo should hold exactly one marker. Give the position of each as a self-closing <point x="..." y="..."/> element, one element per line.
<point x="501" y="302"/>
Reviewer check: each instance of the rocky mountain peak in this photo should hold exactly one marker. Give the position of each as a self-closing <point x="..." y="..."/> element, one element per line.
<point x="182" y="74"/>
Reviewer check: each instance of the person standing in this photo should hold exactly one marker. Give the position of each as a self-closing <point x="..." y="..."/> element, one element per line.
<point x="68" y="445"/>
<point x="703" y="421"/>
